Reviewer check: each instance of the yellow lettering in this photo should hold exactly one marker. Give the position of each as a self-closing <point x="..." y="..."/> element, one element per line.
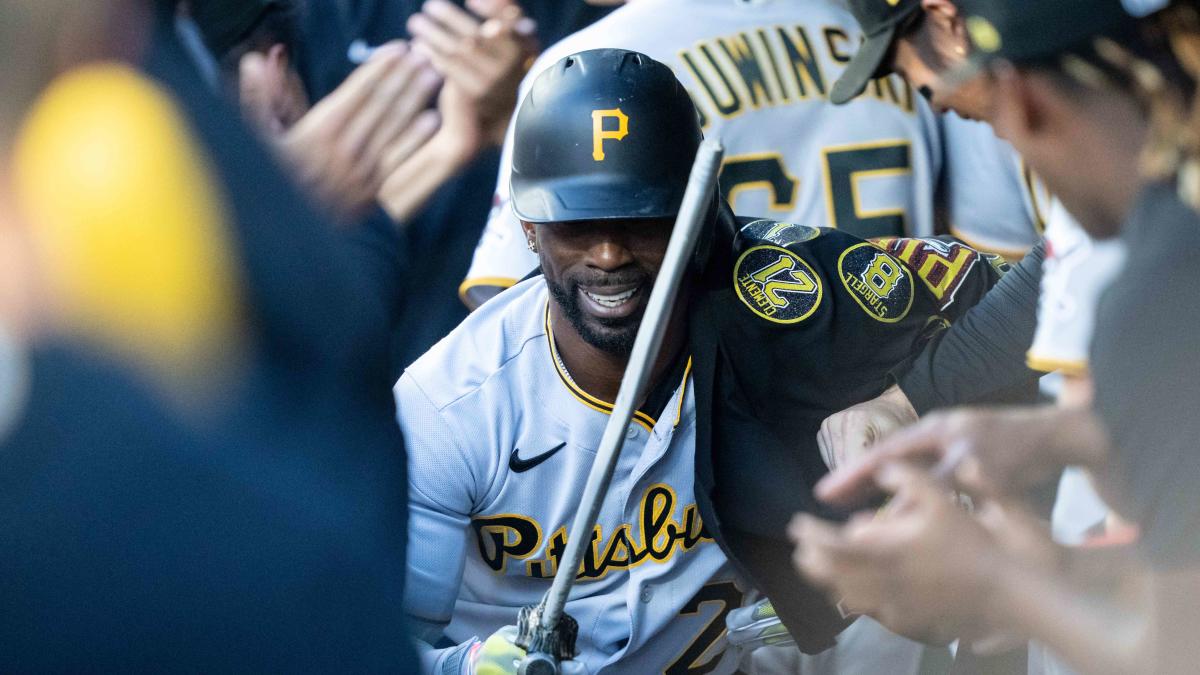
<point x="951" y="268"/>
<point x="600" y="134"/>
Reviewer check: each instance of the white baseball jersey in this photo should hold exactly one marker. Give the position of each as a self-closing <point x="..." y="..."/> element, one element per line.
<point x="1076" y="272"/>
<point x="500" y="442"/>
<point x="759" y="73"/>
<point x="993" y="201"/>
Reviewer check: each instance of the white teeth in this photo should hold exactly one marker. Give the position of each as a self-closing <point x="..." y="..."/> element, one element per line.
<point x="615" y="300"/>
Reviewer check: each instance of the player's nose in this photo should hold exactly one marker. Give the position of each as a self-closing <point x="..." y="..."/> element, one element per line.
<point x="610" y="253"/>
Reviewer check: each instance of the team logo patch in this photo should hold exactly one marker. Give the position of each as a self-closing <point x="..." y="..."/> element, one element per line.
<point x="780" y="234"/>
<point x="878" y="282"/>
<point x="776" y="284"/>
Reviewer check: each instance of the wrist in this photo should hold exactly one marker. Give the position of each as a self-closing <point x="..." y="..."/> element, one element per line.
<point x="998" y="579"/>
<point x="1082" y="438"/>
<point x="456" y="146"/>
<point x="896" y="397"/>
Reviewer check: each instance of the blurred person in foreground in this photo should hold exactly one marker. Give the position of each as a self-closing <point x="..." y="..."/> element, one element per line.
<point x="1079" y="84"/>
<point x="168" y="501"/>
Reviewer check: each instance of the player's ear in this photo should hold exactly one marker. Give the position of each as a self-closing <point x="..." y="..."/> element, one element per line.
<point x="530" y="232"/>
<point x="944" y="14"/>
<point x="263" y="86"/>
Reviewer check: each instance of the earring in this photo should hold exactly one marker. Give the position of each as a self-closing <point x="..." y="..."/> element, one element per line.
<point x="532" y="246"/>
<point x="960" y="50"/>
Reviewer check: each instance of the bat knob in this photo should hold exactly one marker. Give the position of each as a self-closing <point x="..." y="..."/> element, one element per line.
<point x="538" y="664"/>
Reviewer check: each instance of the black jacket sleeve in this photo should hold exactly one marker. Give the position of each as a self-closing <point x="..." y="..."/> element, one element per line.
<point x="800" y="323"/>
<point x="983" y="353"/>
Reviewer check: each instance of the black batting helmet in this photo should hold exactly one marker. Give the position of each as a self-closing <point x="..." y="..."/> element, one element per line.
<point x="603" y="134"/>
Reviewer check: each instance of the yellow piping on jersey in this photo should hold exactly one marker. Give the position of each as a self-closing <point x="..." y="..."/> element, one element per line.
<point x="687" y="370"/>
<point x="498" y="282"/>
<point x="605" y="407"/>
<point x="1073" y="368"/>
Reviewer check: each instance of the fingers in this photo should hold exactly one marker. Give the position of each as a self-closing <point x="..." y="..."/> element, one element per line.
<point x="816" y="543"/>
<point x="853" y="572"/>
<point x="490" y="9"/>
<point x="423" y="127"/>
<point x="851" y="485"/>
<point x="397" y="116"/>
<point x="453" y="18"/>
<point x="443" y="28"/>
<point x="844" y="436"/>
<point x="336" y="108"/>
<point x="399" y="95"/>
<point x="470" y="73"/>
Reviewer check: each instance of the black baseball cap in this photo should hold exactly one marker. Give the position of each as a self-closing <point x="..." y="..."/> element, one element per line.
<point x="1033" y="31"/>
<point x="880" y="20"/>
<point x="225" y="23"/>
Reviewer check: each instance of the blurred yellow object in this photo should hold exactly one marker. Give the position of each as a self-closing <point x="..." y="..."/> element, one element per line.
<point x="128" y="220"/>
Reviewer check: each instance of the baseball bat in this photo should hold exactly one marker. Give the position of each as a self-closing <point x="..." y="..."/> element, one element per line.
<point x="689" y="223"/>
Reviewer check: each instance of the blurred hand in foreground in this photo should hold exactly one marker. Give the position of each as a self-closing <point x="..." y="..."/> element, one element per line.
<point x="483" y="54"/>
<point x="921" y="566"/>
<point x="992" y="452"/>
<point x="341" y="147"/>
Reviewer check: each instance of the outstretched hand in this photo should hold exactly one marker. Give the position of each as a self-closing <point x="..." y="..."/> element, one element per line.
<point x="338" y="147"/>
<point x="992" y="453"/>
<point x="922" y="566"/>
<point x="483" y="54"/>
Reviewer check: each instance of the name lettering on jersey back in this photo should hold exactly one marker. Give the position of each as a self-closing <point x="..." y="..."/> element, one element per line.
<point x="774" y="66"/>
<point x="942" y="265"/>
<point x="656" y="536"/>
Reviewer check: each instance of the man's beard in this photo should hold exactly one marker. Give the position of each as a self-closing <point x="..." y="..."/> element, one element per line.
<point x="614" y="336"/>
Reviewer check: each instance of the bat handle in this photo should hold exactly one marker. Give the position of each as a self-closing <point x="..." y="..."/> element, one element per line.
<point x="545" y="646"/>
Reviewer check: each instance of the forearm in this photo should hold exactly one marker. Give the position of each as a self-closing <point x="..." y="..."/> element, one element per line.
<point x="1095" y="632"/>
<point x="408" y="189"/>
<point x="984" y="352"/>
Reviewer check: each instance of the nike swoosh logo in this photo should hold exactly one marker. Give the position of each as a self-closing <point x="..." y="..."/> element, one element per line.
<point x="519" y="465"/>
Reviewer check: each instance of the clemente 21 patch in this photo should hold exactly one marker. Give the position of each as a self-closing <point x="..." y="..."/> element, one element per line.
<point x="777" y="284"/>
<point x="879" y="283"/>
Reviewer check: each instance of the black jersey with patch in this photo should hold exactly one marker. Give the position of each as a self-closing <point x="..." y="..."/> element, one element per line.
<point x="797" y="324"/>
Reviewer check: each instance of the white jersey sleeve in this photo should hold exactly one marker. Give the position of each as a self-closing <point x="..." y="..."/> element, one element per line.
<point x="1075" y="274"/>
<point x="440" y="504"/>
<point x="441" y="501"/>
<point x="759" y="73"/>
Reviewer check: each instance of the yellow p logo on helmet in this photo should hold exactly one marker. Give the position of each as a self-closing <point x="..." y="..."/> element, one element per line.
<point x="599" y="135"/>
